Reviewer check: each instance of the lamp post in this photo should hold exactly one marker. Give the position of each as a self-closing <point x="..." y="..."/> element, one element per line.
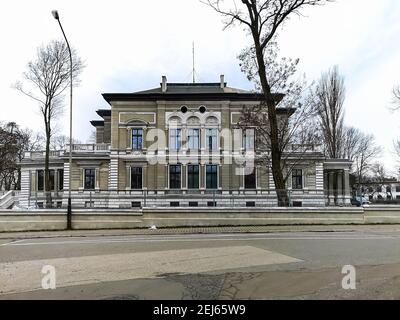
<point x="69" y="210"/>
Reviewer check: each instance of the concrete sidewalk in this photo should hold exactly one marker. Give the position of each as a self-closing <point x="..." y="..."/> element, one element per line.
<point x="200" y="230"/>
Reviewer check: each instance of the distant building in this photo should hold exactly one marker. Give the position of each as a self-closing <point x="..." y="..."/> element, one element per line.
<point x="179" y="145"/>
<point x="386" y="190"/>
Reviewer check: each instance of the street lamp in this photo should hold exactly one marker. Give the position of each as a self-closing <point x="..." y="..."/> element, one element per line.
<point x="69" y="210"/>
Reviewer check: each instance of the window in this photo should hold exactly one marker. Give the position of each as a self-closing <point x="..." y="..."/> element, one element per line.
<point x="248" y="139"/>
<point x="193" y="139"/>
<point x="389" y="189"/>
<point x="379" y="189"/>
<point x="211" y="139"/>
<point x="397" y="188"/>
<point x="136" y="178"/>
<point x="175" y="139"/>
<point x="211" y="177"/>
<point x="51" y="179"/>
<point x="297" y="179"/>
<point x="60" y="179"/>
<point x="137" y="139"/>
<point x="136" y="204"/>
<point x="40" y="180"/>
<point x="193" y="204"/>
<point x="193" y="176"/>
<point x="175" y="176"/>
<point x="90" y="176"/>
<point x="250" y="180"/>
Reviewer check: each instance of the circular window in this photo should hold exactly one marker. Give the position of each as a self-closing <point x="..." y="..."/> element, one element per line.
<point x="184" y="109"/>
<point x="202" y="109"/>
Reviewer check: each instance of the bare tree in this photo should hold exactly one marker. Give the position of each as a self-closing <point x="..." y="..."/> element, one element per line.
<point x="13" y="144"/>
<point x="263" y="19"/>
<point x="60" y="142"/>
<point x="396" y="98"/>
<point x="367" y="151"/>
<point x="330" y="95"/>
<point x="297" y="132"/>
<point x="49" y="75"/>
<point x="350" y="143"/>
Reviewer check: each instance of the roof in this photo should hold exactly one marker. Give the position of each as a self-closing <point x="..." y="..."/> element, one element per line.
<point x="104" y="112"/>
<point x="189" y="91"/>
<point x="97" y="123"/>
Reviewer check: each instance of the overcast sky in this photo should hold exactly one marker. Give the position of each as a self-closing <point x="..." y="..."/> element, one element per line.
<point x="128" y="44"/>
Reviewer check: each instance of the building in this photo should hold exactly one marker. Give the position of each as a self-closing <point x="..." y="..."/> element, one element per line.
<point x="179" y="145"/>
<point x="382" y="191"/>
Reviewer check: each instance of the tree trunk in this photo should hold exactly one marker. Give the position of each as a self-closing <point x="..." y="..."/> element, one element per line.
<point x="276" y="155"/>
<point x="46" y="168"/>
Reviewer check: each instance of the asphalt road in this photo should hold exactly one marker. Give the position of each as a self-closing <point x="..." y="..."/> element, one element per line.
<point x="213" y="266"/>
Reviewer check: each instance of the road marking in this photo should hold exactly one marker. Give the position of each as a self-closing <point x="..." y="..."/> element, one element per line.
<point x="25" y="275"/>
<point x="183" y="238"/>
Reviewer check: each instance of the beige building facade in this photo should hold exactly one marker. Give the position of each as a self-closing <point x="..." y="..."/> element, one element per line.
<point x="179" y="145"/>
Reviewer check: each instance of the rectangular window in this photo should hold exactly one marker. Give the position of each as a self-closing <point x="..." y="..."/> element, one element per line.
<point x="250" y="180"/>
<point x="248" y="139"/>
<point x="52" y="180"/>
<point x="211" y="176"/>
<point x="193" y="139"/>
<point x="60" y="179"/>
<point x="193" y="176"/>
<point x="40" y="180"/>
<point x="137" y="139"/>
<point x="175" y="139"/>
<point x="136" y="178"/>
<point x="297" y="179"/>
<point x="175" y="176"/>
<point x="397" y="188"/>
<point x="388" y="189"/>
<point x="211" y="139"/>
<point x="90" y="176"/>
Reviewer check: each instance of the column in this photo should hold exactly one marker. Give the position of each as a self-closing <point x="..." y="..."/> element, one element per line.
<point x="202" y="176"/>
<point x="183" y="176"/>
<point x="97" y="179"/>
<point x="145" y="177"/>
<point x="347" y="191"/>
<point x="340" y="188"/>
<point x="331" y="191"/>
<point x="128" y="177"/>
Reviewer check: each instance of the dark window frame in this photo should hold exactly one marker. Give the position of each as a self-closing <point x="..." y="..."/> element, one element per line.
<point x="60" y="173"/>
<point x="250" y="180"/>
<point x="211" y="176"/>
<point x="175" y="176"/>
<point x="89" y="175"/>
<point x="193" y="174"/>
<point x="40" y="180"/>
<point x="297" y="179"/>
<point x="136" y="178"/>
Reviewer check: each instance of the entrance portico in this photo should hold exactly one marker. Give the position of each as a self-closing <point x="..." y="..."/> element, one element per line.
<point x="337" y="183"/>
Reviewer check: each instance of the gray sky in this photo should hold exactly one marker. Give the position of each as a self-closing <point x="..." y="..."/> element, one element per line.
<point x="128" y="44"/>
